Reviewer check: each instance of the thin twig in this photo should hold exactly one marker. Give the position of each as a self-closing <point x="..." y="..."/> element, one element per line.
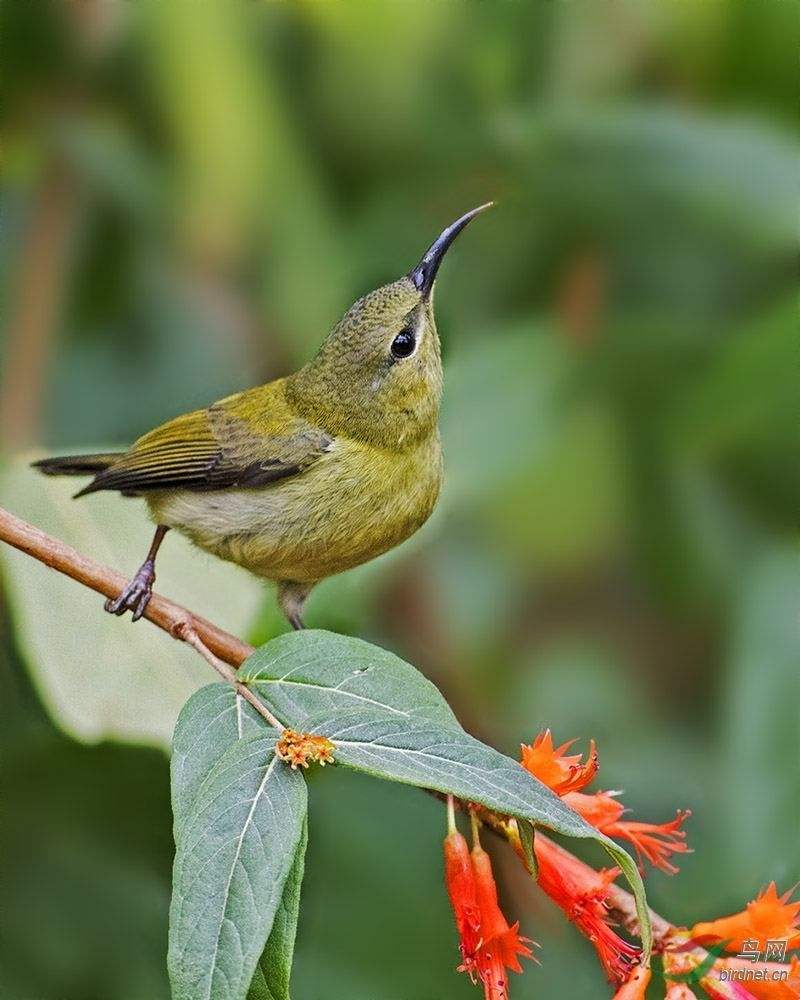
<point x="165" y="614"/>
<point x="223" y="651"/>
<point x="202" y="636"/>
<point x="623" y="909"/>
<point x="186" y="632"/>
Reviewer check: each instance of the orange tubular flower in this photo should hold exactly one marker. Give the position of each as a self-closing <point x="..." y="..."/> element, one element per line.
<point x="501" y="945"/>
<point x="552" y="766"/>
<point x="460" y="883"/>
<point x="488" y="944"/>
<point x="567" y="774"/>
<point x="654" y="841"/>
<point x="728" y="978"/>
<point x="581" y="893"/>
<point x="769" y="917"/>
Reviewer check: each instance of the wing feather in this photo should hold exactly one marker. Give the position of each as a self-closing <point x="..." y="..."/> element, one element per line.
<point x="215" y="449"/>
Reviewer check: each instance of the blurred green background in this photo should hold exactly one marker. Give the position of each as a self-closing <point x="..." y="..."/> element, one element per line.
<point x="193" y="194"/>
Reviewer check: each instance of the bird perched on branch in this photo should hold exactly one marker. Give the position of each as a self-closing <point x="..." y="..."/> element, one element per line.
<point x="311" y="474"/>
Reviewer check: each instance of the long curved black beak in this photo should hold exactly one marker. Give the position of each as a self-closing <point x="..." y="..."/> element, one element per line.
<point x="424" y="274"/>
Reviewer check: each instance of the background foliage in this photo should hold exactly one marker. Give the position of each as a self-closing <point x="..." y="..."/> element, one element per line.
<point x="193" y="194"/>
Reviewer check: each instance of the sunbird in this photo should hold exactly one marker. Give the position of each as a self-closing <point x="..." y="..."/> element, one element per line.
<point x="311" y="474"/>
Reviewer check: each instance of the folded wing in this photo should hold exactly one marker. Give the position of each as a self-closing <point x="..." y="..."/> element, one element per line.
<point x="214" y="449"/>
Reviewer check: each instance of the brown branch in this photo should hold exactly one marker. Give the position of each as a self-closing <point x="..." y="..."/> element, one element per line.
<point x="222" y="651"/>
<point x="623" y="907"/>
<point x="219" y="649"/>
<point x="170" y="617"/>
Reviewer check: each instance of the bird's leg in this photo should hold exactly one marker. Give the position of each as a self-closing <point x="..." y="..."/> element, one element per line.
<point x="136" y="595"/>
<point x="291" y="597"/>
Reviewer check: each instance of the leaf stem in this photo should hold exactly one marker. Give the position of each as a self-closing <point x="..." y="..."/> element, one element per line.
<point x="475" y="825"/>
<point x="451" y="815"/>
<point x="189" y="635"/>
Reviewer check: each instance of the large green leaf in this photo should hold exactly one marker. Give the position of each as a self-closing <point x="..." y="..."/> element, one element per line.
<point x="299" y="675"/>
<point x="724" y="179"/>
<point x="274" y="970"/>
<point x="100" y="676"/>
<point x="304" y="674"/>
<point x="213" y="719"/>
<point x="235" y="849"/>
<point x="447" y="760"/>
<point x="452" y="761"/>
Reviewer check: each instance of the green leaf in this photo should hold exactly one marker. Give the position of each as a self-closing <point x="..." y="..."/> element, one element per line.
<point x="235" y="848"/>
<point x="299" y="675"/>
<point x="271" y="981"/>
<point x="452" y="761"/>
<point x="526" y="837"/>
<point x="85" y="860"/>
<point x="666" y="157"/>
<point x="303" y="674"/>
<point x="213" y="719"/>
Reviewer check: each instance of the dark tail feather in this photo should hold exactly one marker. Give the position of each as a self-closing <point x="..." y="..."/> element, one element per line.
<point x="76" y="465"/>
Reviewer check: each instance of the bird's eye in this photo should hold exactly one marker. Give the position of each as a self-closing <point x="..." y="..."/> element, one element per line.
<point x="403" y="344"/>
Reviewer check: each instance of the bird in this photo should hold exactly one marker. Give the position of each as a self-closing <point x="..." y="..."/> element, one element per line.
<point x="311" y="474"/>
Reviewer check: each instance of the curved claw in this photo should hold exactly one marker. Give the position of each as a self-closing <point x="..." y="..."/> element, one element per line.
<point x="144" y="600"/>
<point x="136" y="595"/>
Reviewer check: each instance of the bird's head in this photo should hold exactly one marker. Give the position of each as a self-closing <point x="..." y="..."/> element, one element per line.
<point x="378" y="375"/>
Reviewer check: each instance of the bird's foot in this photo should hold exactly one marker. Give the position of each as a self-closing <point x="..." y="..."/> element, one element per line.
<point x="136" y="595"/>
<point x="291" y="597"/>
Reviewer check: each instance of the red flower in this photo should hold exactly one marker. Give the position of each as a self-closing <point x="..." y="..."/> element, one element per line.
<point x="552" y="766"/>
<point x="767" y="917"/>
<point x="728" y="978"/>
<point x="460" y="883"/>
<point x="500" y="945"/>
<point x="654" y="841"/>
<point x="581" y="893"/>
<point x="488" y="944"/>
<point x="566" y="775"/>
